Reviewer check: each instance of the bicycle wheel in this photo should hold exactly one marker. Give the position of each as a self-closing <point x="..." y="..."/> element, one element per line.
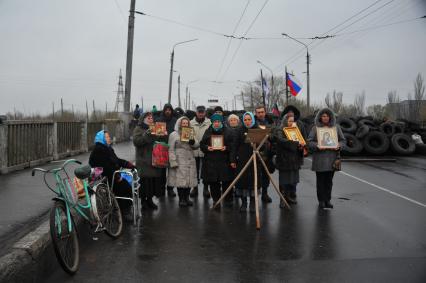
<point x="108" y="211"/>
<point x="65" y="242"/>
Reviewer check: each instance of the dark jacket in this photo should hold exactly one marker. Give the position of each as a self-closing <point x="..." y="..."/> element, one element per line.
<point x="144" y="142"/>
<point x="243" y="152"/>
<point x="216" y="164"/>
<point x="289" y="156"/>
<point x="322" y="160"/>
<point x="104" y="156"/>
<point x="170" y="121"/>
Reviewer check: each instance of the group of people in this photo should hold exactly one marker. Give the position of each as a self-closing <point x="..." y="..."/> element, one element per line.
<point x="198" y="161"/>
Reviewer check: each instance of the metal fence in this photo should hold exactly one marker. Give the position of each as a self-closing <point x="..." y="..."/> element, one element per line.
<point x="28" y="141"/>
<point x="69" y="136"/>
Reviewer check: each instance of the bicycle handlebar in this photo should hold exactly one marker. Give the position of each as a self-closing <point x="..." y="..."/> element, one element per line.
<point x="57" y="169"/>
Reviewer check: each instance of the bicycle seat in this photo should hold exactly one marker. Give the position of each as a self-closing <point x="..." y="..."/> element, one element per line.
<point x="83" y="172"/>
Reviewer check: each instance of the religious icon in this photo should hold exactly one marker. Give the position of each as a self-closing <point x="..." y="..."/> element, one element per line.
<point x="160" y="129"/>
<point x="327" y="137"/>
<point x="216" y="142"/>
<point x="186" y="134"/>
<point x="293" y="133"/>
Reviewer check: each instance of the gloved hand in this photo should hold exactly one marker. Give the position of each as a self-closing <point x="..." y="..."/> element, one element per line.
<point x="191" y="142"/>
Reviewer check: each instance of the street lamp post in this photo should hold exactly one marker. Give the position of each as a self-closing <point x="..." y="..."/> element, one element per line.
<point x="187" y="104"/>
<point x="272" y="83"/>
<point x="307" y="67"/>
<point x="171" y="66"/>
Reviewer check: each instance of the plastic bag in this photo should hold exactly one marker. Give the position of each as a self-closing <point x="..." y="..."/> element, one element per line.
<point x="160" y="155"/>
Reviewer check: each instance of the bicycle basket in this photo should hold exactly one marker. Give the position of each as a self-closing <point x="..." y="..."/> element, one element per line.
<point x="70" y="192"/>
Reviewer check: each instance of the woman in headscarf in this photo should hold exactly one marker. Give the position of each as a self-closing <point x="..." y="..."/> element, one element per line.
<point x="103" y="155"/>
<point x="183" y="169"/>
<point x="244" y="150"/>
<point x="218" y="163"/>
<point x="324" y="158"/>
<point x="143" y="140"/>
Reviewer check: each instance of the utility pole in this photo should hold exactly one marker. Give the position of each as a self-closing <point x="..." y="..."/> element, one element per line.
<point x="53" y="111"/>
<point x="186" y="98"/>
<point x="286" y="87"/>
<point x="307" y="79"/>
<point x="94" y="110"/>
<point x="242" y="98"/>
<point x="87" y="112"/>
<point x="179" y="91"/>
<point x="261" y="85"/>
<point x="73" y="115"/>
<point x="129" y="59"/>
<point x="251" y="98"/>
<point x="62" y="108"/>
<point x="172" y="57"/>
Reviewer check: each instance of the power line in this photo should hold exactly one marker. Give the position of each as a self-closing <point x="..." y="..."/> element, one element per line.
<point x="328" y="31"/>
<point x="230" y="39"/>
<point x="381" y="26"/>
<point x="247" y="31"/>
<point x="121" y="11"/>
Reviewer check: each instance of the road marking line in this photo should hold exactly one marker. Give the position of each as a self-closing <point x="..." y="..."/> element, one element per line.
<point x="380" y="188"/>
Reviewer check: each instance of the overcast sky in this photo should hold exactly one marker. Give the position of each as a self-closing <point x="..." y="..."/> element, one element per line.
<point x="75" y="49"/>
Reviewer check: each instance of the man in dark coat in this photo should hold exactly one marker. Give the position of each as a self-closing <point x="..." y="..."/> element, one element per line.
<point x="264" y="122"/>
<point x="103" y="155"/>
<point x="167" y="116"/>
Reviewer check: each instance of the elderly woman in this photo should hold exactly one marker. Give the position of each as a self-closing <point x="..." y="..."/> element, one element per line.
<point x="218" y="164"/>
<point x="324" y="158"/>
<point x="143" y="140"/>
<point x="233" y="121"/>
<point x="183" y="169"/>
<point x="244" y="150"/>
<point x="103" y="155"/>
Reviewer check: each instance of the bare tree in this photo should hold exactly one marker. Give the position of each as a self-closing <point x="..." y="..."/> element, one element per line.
<point x="393" y="107"/>
<point x="334" y="102"/>
<point x="359" y="104"/>
<point x="419" y="88"/>
<point x="377" y="111"/>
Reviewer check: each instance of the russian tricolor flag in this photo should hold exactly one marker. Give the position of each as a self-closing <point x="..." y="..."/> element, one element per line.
<point x="294" y="84"/>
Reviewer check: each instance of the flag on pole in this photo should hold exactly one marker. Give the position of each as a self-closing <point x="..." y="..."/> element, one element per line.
<point x="265" y="88"/>
<point x="294" y="84"/>
<point x="275" y="110"/>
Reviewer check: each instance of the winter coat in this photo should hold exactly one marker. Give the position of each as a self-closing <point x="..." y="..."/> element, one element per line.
<point x="216" y="164"/>
<point x="322" y="160"/>
<point x="104" y="156"/>
<point x="288" y="155"/>
<point x="183" y="169"/>
<point x="199" y="130"/>
<point x="170" y="121"/>
<point x="243" y="153"/>
<point x="144" y="142"/>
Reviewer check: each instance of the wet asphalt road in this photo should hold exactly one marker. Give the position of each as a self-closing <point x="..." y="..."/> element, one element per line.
<point x="375" y="233"/>
<point x="25" y="200"/>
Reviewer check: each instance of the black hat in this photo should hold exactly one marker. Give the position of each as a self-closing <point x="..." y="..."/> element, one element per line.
<point x="218" y="108"/>
<point x="201" y="108"/>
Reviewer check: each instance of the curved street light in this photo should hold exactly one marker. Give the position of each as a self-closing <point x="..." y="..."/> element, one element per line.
<point x="171" y="65"/>
<point x="307" y="67"/>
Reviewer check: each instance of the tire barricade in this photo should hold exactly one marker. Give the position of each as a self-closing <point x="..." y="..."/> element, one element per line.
<point x="367" y="136"/>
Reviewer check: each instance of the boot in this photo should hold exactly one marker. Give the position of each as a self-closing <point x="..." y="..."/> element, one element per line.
<point x="252" y="205"/>
<point x="206" y="192"/>
<point x="151" y="204"/>
<point x="170" y="192"/>
<point x="321" y="205"/>
<point x="289" y="199"/>
<point x="127" y="214"/>
<point x="265" y="197"/>
<point x="144" y="204"/>
<point x="194" y="192"/>
<point x="328" y="204"/>
<point x="182" y="200"/>
<point x="243" y="207"/>
<point x="188" y="201"/>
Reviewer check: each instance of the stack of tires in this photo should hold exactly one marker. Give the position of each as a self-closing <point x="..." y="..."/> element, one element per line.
<point x="365" y="135"/>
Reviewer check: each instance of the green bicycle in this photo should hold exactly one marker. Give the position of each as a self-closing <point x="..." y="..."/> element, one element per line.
<point x="99" y="208"/>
